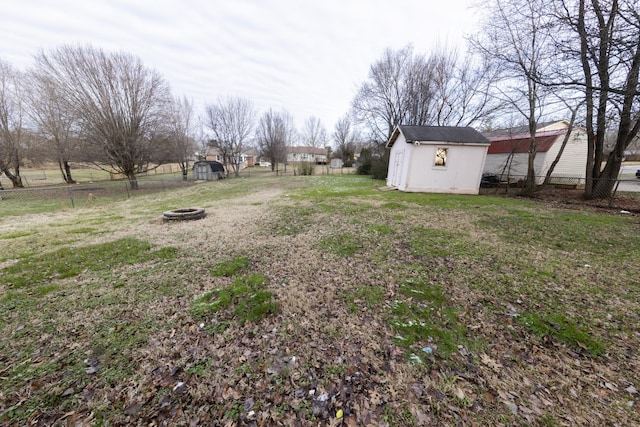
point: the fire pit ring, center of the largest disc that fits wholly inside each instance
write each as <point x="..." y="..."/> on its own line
<point x="184" y="214"/>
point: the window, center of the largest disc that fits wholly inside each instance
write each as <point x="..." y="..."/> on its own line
<point x="441" y="157"/>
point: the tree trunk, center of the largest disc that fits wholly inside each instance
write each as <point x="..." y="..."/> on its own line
<point x="133" y="181"/>
<point x="603" y="186"/>
<point x="65" y="170"/>
<point x="16" y="179"/>
<point x="530" y="183"/>
<point x="184" y="167"/>
<point x="565" y="140"/>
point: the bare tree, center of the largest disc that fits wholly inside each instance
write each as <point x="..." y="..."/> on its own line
<point x="384" y="100"/>
<point x="516" y="38"/>
<point x="313" y="133"/>
<point x="182" y="143"/>
<point x="231" y="121"/>
<point x="55" y="122"/>
<point x="120" y="104"/>
<point x="274" y="134"/>
<point x="11" y="123"/>
<point x="442" y="88"/>
<point x="345" y="137"/>
<point x="603" y="62"/>
<point x="463" y="86"/>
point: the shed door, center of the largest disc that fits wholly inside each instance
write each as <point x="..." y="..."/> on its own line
<point x="397" y="169"/>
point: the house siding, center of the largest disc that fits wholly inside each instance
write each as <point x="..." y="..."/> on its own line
<point x="571" y="164"/>
<point x="574" y="158"/>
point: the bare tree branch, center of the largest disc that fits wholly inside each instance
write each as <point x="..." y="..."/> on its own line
<point x="231" y="121"/>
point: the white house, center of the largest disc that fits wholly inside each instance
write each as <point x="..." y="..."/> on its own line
<point x="436" y="159"/>
<point x="247" y="158"/>
<point x="508" y="152"/>
<point x="307" y="154"/>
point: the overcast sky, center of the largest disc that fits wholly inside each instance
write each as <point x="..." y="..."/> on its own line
<point x="305" y="56"/>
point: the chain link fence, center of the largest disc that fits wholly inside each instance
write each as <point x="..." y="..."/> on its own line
<point x="623" y="193"/>
<point x="87" y="194"/>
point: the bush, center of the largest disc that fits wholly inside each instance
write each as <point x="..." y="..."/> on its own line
<point x="364" y="168"/>
<point x="379" y="168"/>
<point x="305" y="168"/>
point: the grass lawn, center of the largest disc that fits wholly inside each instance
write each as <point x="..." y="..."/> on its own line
<point x="319" y="300"/>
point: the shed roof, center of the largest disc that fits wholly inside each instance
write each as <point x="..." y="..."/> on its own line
<point x="450" y="134"/>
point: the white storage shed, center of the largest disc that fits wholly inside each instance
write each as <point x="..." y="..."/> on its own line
<point x="436" y="159"/>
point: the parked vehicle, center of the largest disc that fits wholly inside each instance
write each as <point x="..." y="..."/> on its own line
<point x="489" y="180"/>
<point x="638" y="174"/>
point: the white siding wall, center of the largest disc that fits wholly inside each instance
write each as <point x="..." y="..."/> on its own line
<point x="460" y="175"/>
<point x="571" y="164"/>
<point x="574" y="157"/>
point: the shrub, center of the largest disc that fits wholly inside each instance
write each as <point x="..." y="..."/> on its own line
<point x="305" y="168"/>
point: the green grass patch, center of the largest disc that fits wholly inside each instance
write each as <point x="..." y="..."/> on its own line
<point x="293" y="220"/>
<point x="46" y="289"/>
<point x="568" y="231"/>
<point x="323" y="188"/>
<point x="434" y="243"/>
<point x="230" y="267"/>
<point x="381" y="229"/>
<point x="82" y="230"/>
<point x="15" y="235"/>
<point x="394" y="206"/>
<point x="562" y="329"/>
<point x="424" y="318"/>
<point x="112" y="342"/>
<point x="71" y="261"/>
<point x="364" y="296"/>
<point x="344" y="244"/>
<point x="245" y="300"/>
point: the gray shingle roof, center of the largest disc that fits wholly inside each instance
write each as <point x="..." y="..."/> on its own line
<point x="450" y="134"/>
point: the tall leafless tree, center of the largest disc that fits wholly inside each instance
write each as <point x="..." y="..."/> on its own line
<point x="383" y="101"/>
<point x="181" y="135"/>
<point x="345" y="137"/>
<point x="439" y="89"/>
<point x="600" y="57"/>
<point x="231" y="121"/>
<point x="516" y="38"/>
<point x="274" y="134"/>
<point x="11" y="122"/>
<point x="55" y="122"/>
<point x="313" y="133"/>
<point x="120" y="104"/>
<point x="464" y="88"/>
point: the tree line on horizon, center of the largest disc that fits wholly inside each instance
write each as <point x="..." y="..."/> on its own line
<point x="531" y="61"/>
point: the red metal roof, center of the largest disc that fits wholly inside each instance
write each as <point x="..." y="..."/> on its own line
<point x="520" y="143"/>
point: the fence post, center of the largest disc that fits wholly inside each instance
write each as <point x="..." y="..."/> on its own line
<point x="73" y="205"/>
<point x="126" y="186"/>
<point x="613" y="193"/>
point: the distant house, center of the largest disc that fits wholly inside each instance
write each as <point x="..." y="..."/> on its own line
<point x="246" y="159"/>
<point x="509" y="151"/>
<point x="307" y="154"/>
<point x="436" y="159"/>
